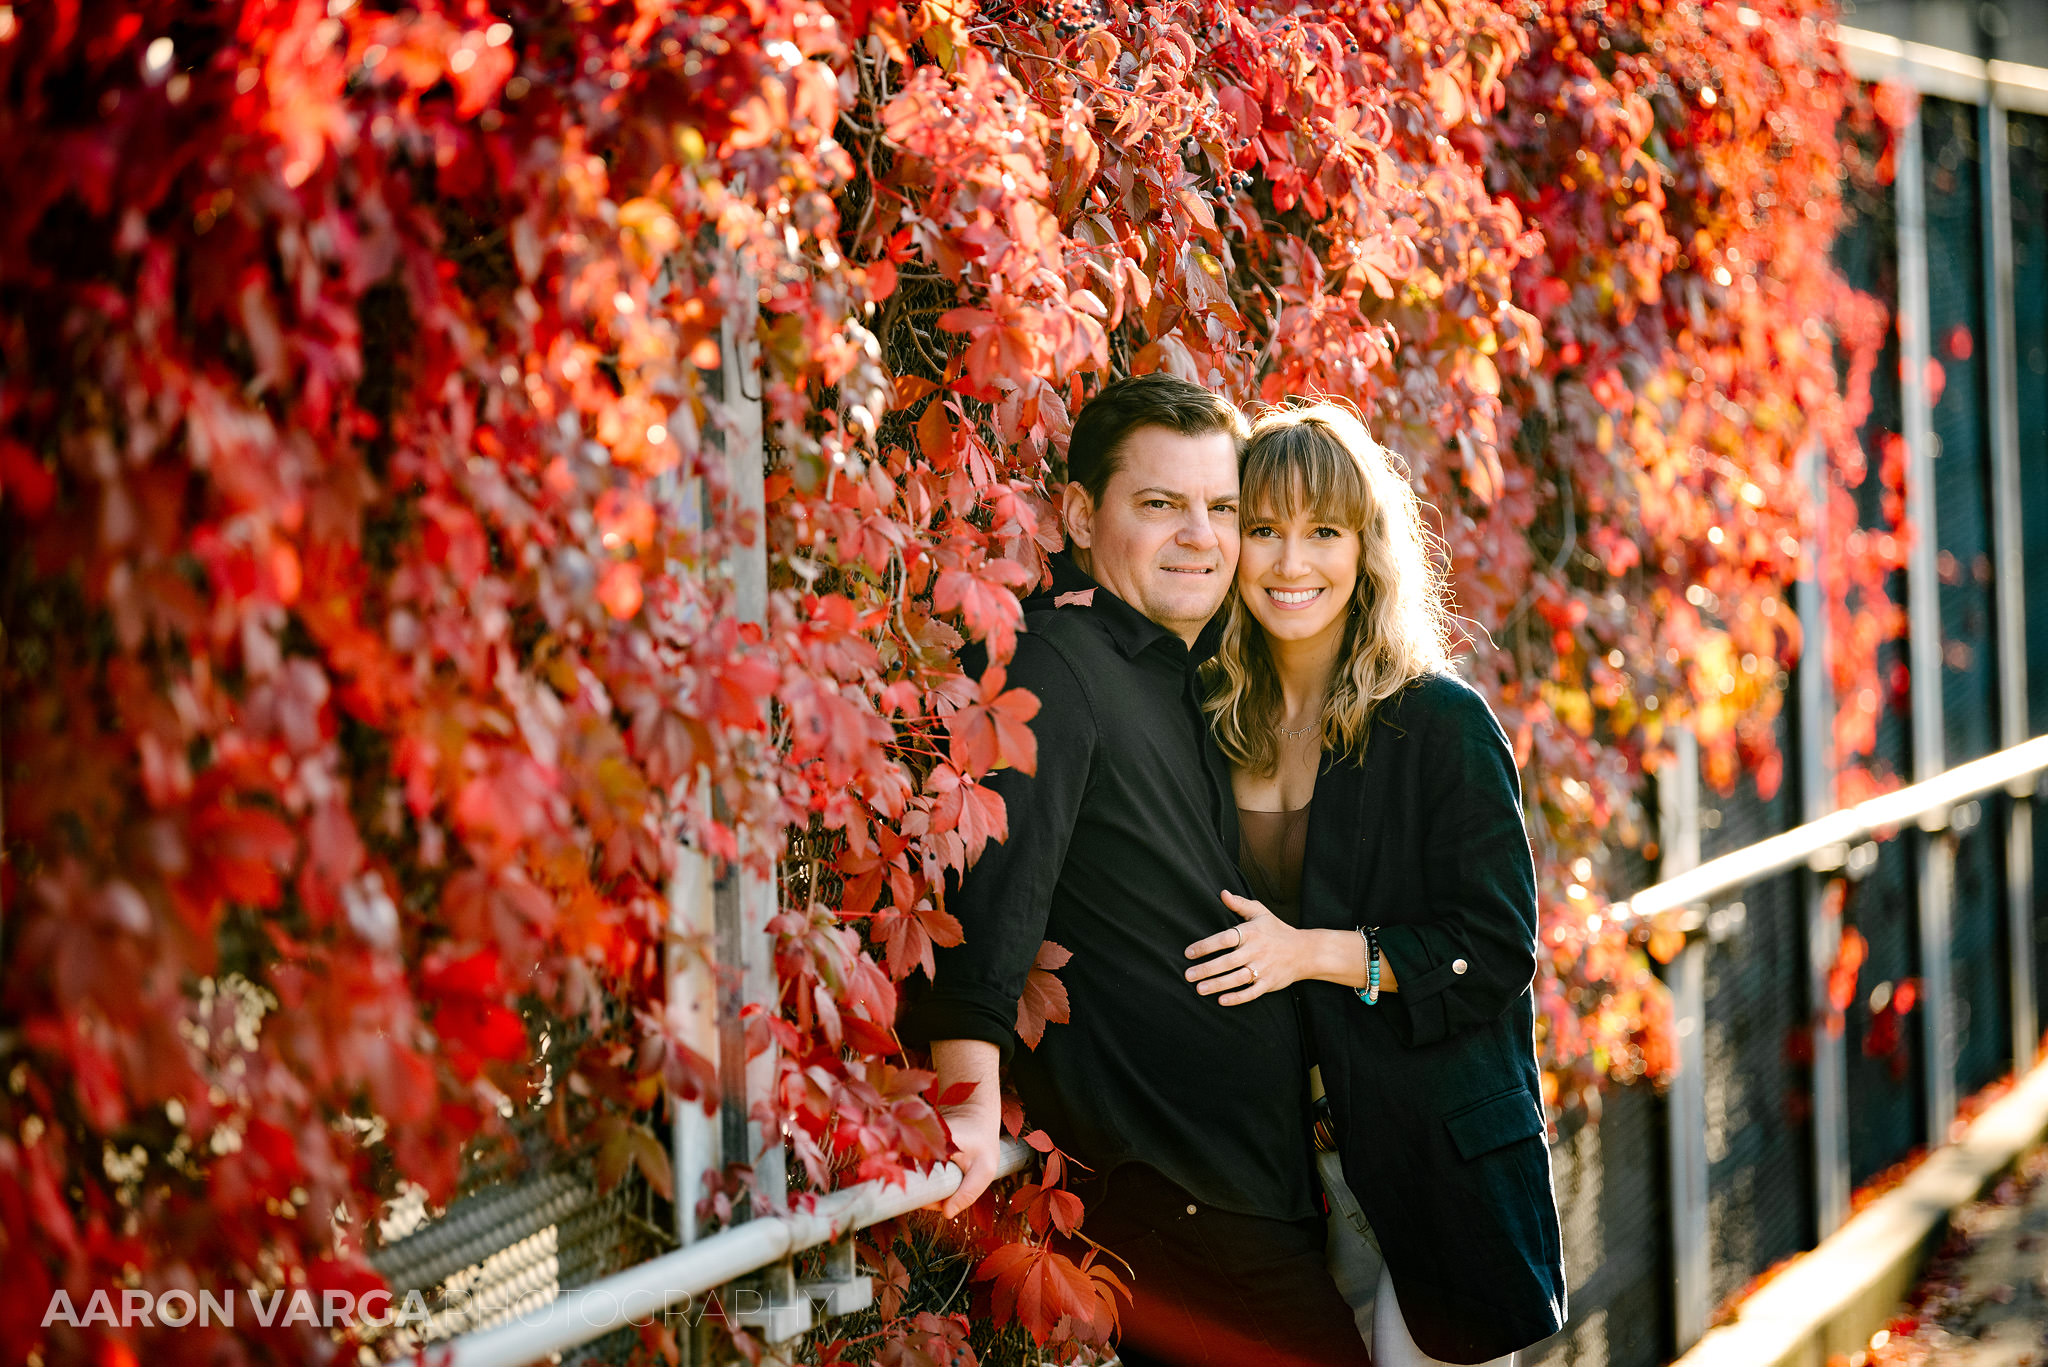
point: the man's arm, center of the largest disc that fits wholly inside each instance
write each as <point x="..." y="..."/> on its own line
<point x="1003" y="903"/>
<point x="976" y="1123"/>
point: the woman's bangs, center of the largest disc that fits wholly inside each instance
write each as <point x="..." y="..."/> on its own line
<point x="1301" y="468"/>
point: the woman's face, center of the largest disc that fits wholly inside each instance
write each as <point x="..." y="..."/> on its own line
<point x="1297" y="575"/>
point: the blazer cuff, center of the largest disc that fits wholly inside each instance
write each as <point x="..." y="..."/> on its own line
<point x="952" y="1015"/>
<point x="1421" y="1017"/>
<point x="1413" y="967"/>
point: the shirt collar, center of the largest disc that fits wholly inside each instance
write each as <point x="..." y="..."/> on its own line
<point x="1131" y="630"/>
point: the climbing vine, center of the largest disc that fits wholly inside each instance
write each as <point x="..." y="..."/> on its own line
<point x="369" y="386"/>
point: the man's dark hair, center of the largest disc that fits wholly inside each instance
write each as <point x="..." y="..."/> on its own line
<point x="1094" y="451"/>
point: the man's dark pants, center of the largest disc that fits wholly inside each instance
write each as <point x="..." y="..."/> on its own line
<point x="1213" y="1288"/>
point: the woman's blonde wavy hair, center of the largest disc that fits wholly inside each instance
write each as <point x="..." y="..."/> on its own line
<point x="1319" y="456"/>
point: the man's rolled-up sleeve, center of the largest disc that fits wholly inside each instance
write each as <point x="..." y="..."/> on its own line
<point x="1004" y="900"/>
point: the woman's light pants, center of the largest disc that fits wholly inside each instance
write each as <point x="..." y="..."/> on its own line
<point x="1361" y="1275"/>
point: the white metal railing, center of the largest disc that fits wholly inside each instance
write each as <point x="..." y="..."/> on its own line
<point x="1944" y="73"/>
<point x="645" y="1292"/>
<point x="1836" y="841"/>
<point x="1825" y="844"/>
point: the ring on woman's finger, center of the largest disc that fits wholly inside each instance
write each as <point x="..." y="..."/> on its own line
<point x="1254" y="971"/>
<point x="1240" y="937"/>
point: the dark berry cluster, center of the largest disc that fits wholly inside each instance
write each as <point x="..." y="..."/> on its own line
<point x="1230" y="182"/>
<point x="1072" y="18"/>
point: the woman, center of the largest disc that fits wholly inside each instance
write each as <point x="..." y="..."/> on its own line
<point x="1381" y="823"/>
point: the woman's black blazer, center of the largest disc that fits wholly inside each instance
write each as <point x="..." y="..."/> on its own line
<point x="1434" y="1092"/>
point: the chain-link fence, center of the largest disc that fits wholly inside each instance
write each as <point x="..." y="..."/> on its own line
<point x="1760" y="1196"/>
<point x="1883" y="1045"/>
<point x="1958" y="384"/>
<point x="529" y="1219"/>
<point x="1614" y="1205"/>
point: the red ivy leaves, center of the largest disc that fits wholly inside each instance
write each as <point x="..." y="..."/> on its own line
<point x="1046" y="1291"/>
<point x="366" y="512"/>
<point x="996" y="731"/>
<point x="928" y="1340"/>
<point x="1047" y="1208"/>
<point x="621" y="1144"/>
<point x="1045" y="997"/>
<point x="474" y="1024"/>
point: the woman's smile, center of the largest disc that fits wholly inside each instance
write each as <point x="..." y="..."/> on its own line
<point x="1294" y="598"/>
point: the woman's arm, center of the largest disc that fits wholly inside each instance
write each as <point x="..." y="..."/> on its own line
<point x="1477" y="951"/>
<point x="1280" y="954"/>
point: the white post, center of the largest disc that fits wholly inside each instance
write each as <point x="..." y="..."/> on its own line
<point x="1678" y="800"/>
<point x="2009" y="549"/>
<point x="1823" y="923"/>
<point x="693" y="1011"/>
<point x="690" y="956"/>
<point x="745" y="901"/>
<point x="1923" y="621"/>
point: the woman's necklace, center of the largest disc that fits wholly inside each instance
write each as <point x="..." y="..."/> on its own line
<point x="1315" y="725"/>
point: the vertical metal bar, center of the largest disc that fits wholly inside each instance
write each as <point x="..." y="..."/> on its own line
<point x="1923" y="620"/>
<point x="1937" y="992"/>
<point x="1923" y="601"/>
<point x="2009" y="551"/>
<point x="745" y="900"/>
<point x="2019" y="931"/>
<point x="1678" y="799"/>
<point x="1816" y="702"/>
<point x="693" y="1013"/>
<point x="690" y="954"/>
<point x="746" y="454"/>
<point x="2006" y="526"/>
<point x="1816" y="695"/>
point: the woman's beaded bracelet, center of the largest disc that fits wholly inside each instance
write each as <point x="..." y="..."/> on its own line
<point x="1370" y="993"/>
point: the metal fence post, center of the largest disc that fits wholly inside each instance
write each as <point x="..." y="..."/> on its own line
<point x="693" y="1003"/>
<point x="689" y="955"/>
<point x="1923" y="621"/>
<point x="2009" y="550"/>
<point x="1678" y="801"/>
<point x="1816" y="714"/>
<point x="744" y="900"/>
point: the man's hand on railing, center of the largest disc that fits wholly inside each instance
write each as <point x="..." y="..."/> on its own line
<point x="977" y="1122"/>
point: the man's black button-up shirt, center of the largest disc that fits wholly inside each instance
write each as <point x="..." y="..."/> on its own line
<point x="1118" y="847"/>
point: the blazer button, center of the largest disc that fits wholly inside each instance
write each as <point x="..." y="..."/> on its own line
<point x="1459" y="966"/>
<point x="1191" y="1210"/>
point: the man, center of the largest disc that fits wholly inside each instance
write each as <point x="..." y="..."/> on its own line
<point x="1192" y="1116"/>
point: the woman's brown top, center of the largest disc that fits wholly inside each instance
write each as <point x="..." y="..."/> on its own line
<point x="1270" y="846"/>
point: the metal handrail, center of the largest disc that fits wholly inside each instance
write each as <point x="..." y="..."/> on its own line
<point x="644" y="1291"/>
<point x="1925" y="804"/>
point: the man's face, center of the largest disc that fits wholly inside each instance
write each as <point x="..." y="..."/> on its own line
<point x="1164" y="538"/>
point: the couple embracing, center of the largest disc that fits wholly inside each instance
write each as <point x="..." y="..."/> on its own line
<point x="1284" y="845"/>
